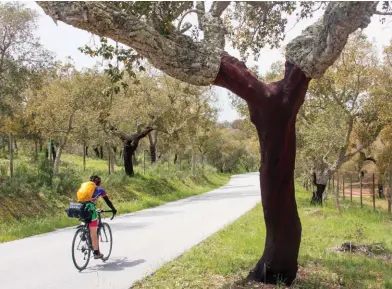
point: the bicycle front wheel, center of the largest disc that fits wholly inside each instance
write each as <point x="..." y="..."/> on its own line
<point x="80" y="249"/>
<point x="105" y="241"/>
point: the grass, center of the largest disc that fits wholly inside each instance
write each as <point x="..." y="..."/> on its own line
<point x="224" y="259"/>
<point x="26" y="213"/>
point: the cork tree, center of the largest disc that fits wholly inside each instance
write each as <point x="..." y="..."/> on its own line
<point x="158" y="32"/>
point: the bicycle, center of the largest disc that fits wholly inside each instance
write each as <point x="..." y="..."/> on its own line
<point x="82" y="235"/>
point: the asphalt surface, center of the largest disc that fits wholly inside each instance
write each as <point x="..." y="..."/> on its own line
<point x="142" y="242"/>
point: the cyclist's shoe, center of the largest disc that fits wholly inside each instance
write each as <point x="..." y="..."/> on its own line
<point x="98" y="255"/>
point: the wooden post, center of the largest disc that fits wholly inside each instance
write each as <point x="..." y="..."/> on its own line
<point x="374" y="194"/>
<point x="179" y="155"/>
<point x="168" y="163"/>
<point x="360" y="189"/>
<point x="351" y="187"/>
<point x="344" y="196"/>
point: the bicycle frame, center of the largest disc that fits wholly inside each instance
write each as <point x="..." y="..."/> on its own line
<point x="86" y="228"/>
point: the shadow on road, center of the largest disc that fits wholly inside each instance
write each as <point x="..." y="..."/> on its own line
<point x="115" y="265"/>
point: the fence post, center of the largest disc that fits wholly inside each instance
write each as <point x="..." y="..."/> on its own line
<point x="344" y="196"/>
<point x="351" y="187"/>
<point x="374" y="195"/>
<point x="360" y="189"/>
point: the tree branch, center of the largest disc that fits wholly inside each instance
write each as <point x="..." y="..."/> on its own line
<point x="169" y="54"/>
<point x="325" y="157"/>
<point x="383" y="13"/>
<point x="320" y="44"/>
<point x="186" y="13"/>
<point x="218" y="7"/>
<point x="357" y="150"/>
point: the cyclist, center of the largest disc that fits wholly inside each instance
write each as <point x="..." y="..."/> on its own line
<point x="98" y="193"/>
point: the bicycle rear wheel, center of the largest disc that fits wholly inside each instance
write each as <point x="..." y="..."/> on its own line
<point x="80" y="249"/>
<point x="105" y="241"/>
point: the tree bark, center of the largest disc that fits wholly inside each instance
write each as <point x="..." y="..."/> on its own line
<point x="15" y="144"/>
<point x="96" y="152"/>
<point x="317" y="198"/>
<point x="129" y="150"/>
<point x="274" y="119"/>
<point x="175" y="158"/>
<point x="131" y="142"/>
<point x="57" y="160"/>
<point x="101" y="152"/>
<point x="153" y="139"/>
<point x="53" y="150"/>
<point x="320" y="179"/>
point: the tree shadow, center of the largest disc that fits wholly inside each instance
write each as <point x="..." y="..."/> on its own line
<point x="118" y="264"/>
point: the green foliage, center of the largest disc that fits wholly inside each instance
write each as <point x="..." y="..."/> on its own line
<point x="229" y="150"/>
<point x="45" y="171"/>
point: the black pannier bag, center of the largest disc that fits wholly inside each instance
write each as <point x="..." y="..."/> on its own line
<point x="79" y="211"/>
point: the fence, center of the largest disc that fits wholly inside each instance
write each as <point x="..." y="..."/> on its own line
<point x="367" y="189"/>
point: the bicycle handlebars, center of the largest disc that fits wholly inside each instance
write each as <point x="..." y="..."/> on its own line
<point x="99" y="211"/>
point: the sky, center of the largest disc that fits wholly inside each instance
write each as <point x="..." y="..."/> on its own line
<point x="64" y="40"/>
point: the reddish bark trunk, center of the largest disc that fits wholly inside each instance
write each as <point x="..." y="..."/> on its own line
<point x="273" y="109"/>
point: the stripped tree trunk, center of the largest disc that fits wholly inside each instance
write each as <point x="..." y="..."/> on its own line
<point x="153" y="139"/>
<point x="57" y="160"/>
<point x="274" y="120"/>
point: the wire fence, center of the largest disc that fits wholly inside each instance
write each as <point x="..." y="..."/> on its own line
<point x="370" y="189"/>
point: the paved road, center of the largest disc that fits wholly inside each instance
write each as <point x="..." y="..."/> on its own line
<point x="143" y="242"/>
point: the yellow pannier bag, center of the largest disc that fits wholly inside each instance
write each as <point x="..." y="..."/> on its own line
<point x="86" y="191"/>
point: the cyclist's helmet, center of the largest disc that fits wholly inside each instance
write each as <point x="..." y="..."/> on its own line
<point x="96" y="180"/>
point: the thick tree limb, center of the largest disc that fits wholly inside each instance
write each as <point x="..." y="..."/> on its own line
<point x="320" y="44"/>
<point x="383" y="13"/>
<point x="218" y="7"/>
<point x="125" y="137"/>
<point x="357" y="150"/>
<point x="195" y="63"/>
